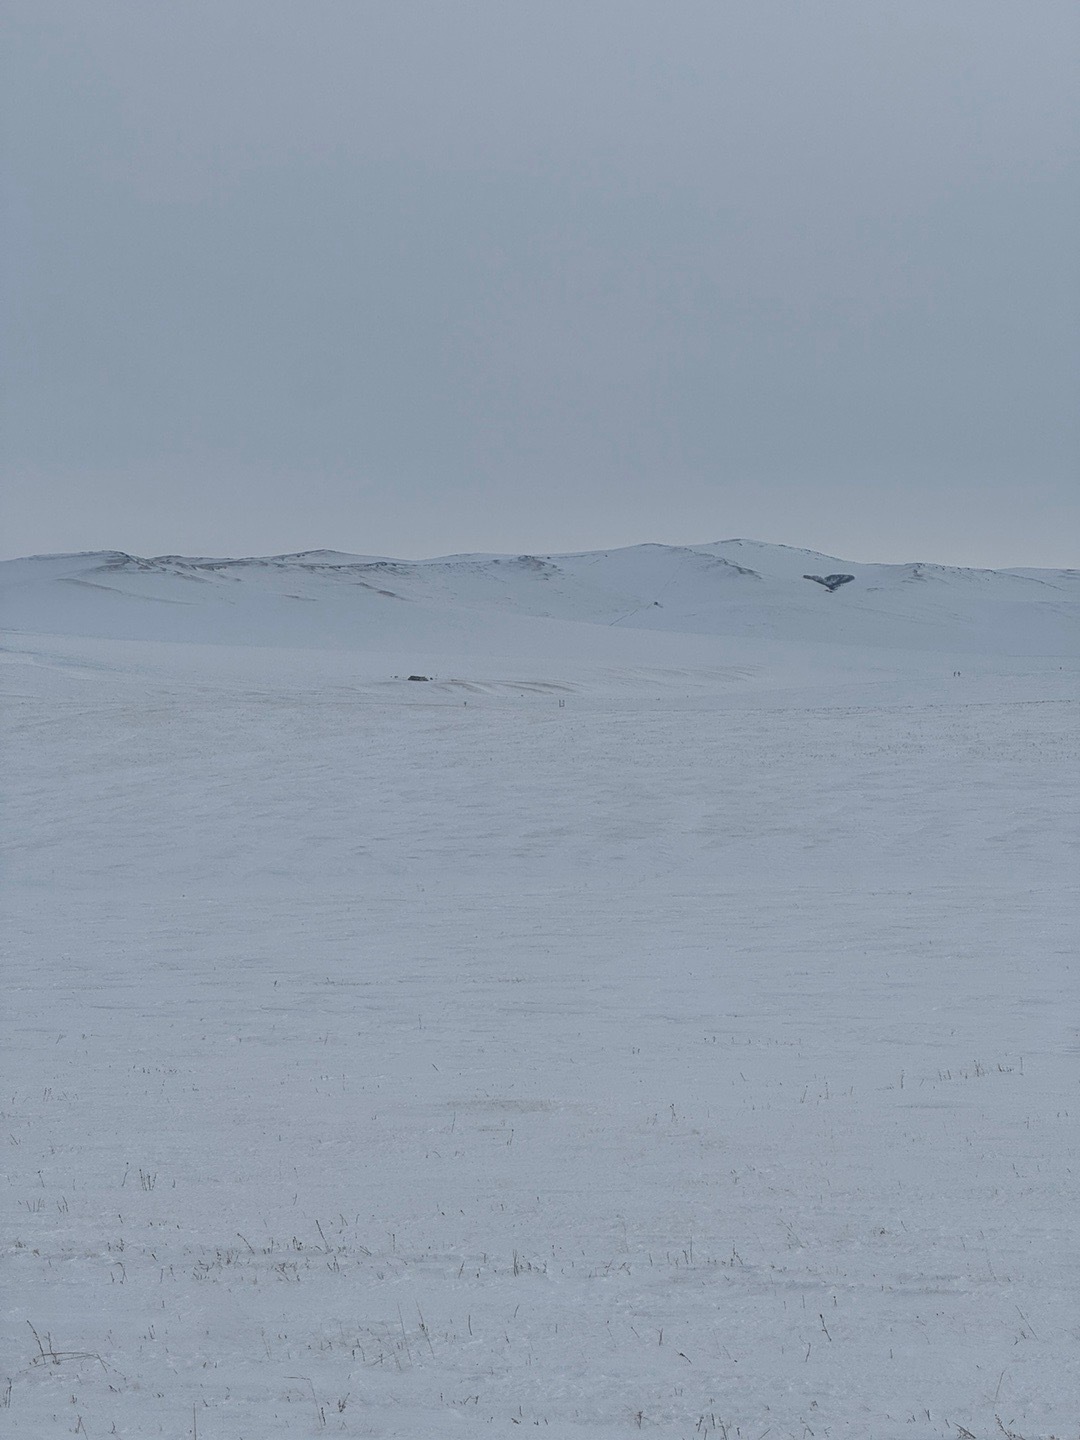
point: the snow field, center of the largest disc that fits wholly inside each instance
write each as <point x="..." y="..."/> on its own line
<point x="600" y="1162"/>
<point x="699" y="1057"/>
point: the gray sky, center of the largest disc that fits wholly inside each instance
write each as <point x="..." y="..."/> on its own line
<point x="410" y="277"/>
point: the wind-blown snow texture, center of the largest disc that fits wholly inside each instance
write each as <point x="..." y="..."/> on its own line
<point x="663" y="1021"/>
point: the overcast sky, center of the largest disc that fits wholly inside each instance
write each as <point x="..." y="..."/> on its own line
<point x="412" y="277"/>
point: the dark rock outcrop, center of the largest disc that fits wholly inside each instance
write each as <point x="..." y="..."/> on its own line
<point x="831" y="582"/>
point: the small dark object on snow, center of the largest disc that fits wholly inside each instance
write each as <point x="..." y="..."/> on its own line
<point x="831" y="582"/>
<point x="419" y="677"/>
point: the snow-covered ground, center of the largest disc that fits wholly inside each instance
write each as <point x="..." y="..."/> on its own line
<point x="663" y="1020"/>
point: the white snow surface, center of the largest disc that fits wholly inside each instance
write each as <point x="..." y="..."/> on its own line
<point x="663" y="1020"/>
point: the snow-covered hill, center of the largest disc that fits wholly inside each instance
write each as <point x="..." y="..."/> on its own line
<point x="735" y="589"/>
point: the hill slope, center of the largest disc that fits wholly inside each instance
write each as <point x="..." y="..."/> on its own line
<point x="737" y="589"/>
